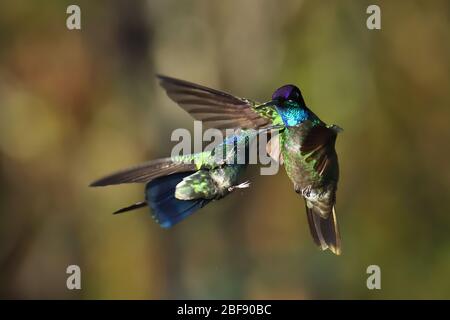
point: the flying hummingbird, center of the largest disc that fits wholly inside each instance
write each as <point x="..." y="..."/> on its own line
<point x="178" y="186"/>
<point x="306" y="145"/>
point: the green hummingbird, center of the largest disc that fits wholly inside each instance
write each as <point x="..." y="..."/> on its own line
<point x="306" y="145"/>
<point x="178" y="186"/>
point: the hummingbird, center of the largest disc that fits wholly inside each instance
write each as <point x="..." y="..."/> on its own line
<point x="176" y="187"/>
<point x="306" y="145"/>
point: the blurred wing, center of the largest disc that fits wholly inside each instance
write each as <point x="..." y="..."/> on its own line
<point x="215" y="108"/>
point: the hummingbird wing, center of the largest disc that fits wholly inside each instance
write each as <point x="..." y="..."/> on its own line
<point x="222" y="154"/>
<point x="318" y="145"/>
<point x="146" y="172"/>
<point x="318" y="149"/>
<point x="217" y="109"/>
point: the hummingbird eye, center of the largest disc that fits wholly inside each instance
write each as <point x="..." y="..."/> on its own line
<point x="294" y="95"/>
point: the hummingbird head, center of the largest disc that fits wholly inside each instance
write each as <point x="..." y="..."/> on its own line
<point x="288" y="92"/>
<point x="289" y="103"/>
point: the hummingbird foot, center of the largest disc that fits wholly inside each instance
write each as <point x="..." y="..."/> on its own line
<point x="242" y="185"/>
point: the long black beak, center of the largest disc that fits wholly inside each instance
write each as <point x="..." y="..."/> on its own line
<point x="270" y="103"/>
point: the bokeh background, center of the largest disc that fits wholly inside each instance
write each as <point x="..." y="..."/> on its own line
<point x="75" y="105"/>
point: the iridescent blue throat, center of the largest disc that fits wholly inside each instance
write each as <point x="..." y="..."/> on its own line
<point x="292" y="114"/>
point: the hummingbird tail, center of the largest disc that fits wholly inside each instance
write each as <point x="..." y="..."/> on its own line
<point x="324" y="231"/>
<point x="166" y="209"/>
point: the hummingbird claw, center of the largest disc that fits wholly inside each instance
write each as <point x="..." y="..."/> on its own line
<point x="242" y="185"/>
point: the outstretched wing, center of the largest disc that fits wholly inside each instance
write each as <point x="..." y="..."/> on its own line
<point x="218" y="109"/>
<point x="146" y="172"/>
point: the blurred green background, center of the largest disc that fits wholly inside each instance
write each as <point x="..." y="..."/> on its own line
<point x="75" y="105"/>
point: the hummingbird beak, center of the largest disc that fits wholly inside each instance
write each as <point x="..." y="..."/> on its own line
<point x="271" y="103"/>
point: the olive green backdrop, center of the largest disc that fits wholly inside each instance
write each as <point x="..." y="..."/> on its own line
<point x="75" y="105"/>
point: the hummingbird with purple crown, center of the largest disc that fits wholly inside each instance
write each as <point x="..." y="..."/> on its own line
<point x="305" y="145"/>
<point x="178" y="186"/>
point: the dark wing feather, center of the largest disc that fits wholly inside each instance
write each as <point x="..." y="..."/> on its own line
<point x="215" y="108"/>
<point x="145" y="172"/>
<point x="319" y="143"/>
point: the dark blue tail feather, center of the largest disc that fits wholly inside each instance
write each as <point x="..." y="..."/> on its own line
<point x="166" y="209"/>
